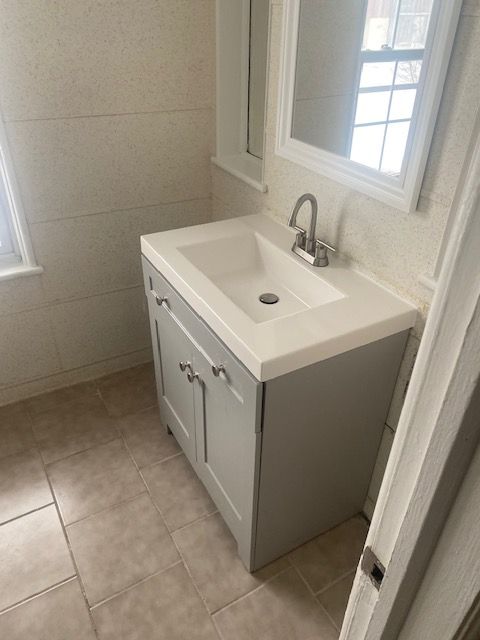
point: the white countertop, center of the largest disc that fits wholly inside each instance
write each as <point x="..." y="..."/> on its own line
<point x="364" y="311"/>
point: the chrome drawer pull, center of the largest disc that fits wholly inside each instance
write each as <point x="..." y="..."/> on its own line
<point x="218" y="369"/>
<point x="159" y="300"/>
<point x="191" y="375"/>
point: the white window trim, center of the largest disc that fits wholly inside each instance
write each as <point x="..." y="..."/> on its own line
<point x="22" y="263"/>
<point x="233" y="59"/>
<point x="401" y="194"/>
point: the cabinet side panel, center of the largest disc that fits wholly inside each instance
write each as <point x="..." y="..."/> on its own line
<point x="321" y="432"/>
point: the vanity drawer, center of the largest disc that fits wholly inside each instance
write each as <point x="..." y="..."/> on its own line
<point x="234" y="375"/>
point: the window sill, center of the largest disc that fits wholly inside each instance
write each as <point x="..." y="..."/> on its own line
<point x="245" y="167"/>
<point x="13" y="268"/>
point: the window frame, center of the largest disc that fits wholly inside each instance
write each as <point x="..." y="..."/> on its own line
<point x="22" y="261"/>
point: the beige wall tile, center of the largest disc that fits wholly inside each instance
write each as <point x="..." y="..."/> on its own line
<point x="113" y="56"/>
<point x="58" y="614"/>
<point x="21" y="294"/>
<point x="100" y="327"/>
<point x="27" y="348"/>
<point x="34" y="556"/>
<point x="90" y="254"/>
<point x="89" y="165"/>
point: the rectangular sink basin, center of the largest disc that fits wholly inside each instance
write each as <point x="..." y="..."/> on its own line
<point x="246" y="266"/>
<point x="222" y="268"/>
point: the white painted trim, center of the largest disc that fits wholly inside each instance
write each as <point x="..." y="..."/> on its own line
<point x="245" y="167"/>
<point x="233" y="60"/>
<point x="18" y="219"/>
<point x="436" y="436"/>
<point x="400" y="193"/>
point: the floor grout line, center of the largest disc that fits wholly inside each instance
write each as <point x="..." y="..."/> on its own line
<point x="72" y="556"/>
<point x="132" y="586"/>
<point x="193" y="522"/>
<point x="110" y="507"/>
<point x="33" y="596"/>
<point x="334" y="582"/>
<point x="27" y="513"/>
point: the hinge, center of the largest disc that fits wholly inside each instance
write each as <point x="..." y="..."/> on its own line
<point x="372" y="566"/>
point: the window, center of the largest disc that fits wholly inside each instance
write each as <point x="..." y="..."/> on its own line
<point x="390" y="66"/>
<point x="16" y="253"/>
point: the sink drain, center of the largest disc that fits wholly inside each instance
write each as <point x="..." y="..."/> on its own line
<point x="268" y="298"/>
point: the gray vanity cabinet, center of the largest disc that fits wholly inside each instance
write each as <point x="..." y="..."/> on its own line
<point x="215" y="418"/>
<point x="283" y="460"/>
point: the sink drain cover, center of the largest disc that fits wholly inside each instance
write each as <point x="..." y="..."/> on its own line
<point x="268" y="298"/>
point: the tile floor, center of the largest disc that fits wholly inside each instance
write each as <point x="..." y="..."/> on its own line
<point x="105" y="532"/>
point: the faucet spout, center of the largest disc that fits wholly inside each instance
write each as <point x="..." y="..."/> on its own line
<point x="292" y="222"/>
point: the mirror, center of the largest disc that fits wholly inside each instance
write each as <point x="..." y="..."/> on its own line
<point x="361" y="85"/>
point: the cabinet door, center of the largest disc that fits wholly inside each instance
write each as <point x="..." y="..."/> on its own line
<point x="227" y="413"/>
<point x="175" y="391"/>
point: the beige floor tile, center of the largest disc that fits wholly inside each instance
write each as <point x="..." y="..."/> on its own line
<point x="23" y="485"/>
<point x="210" y="553"/>
<point x="177" y="491"/>
<point x="72" y="427"/>
<point x="331" y="555"/>
<point x="147" y="438"/>
<point x="282" y="609"/>
<point x="94" y="480"/>
<point x="335" y="599"/>
<point x="119" y="547"/>
<point x="15" y="429"/>
<point x="59" y="614"/>
<point x="34" y="556"/>
<point x="129" y="391"/>
<point x="165" y="607"/>
<point x="53" y="399"/>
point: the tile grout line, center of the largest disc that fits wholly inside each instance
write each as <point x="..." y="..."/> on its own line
<point x="98" y="604"/>
<point x="196" y="521"/>
<point x="182" y="560"/>
<point x="67" y="542"/>
<point x="333" y="583"/>
<point x="111" y="507"/>
<point x="38" y="594"/>
<point x="27" y="513"/>
<point x="310" y="590"/>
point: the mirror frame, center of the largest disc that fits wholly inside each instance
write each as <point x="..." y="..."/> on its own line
<point x="402" y="192"/>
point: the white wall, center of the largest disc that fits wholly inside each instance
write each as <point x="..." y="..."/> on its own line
<point x="392" y="246"/>
<point x="108" y="110"/>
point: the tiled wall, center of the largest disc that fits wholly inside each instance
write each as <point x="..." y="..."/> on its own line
<point x="108" y="110"/>
<point x="393" y="246"/>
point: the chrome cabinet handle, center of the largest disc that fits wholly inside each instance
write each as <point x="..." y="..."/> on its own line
<point x="159" y="299"/>
<point x="191" y="375"/>
<point x="218" y="369"/>
<point x="184" y="365"/>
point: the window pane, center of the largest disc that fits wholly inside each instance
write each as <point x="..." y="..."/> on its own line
<point x="408" y="72"/>
<point x="377" y="74"/>
<point x="372" y="107"/>
<point x="403" y="101"/>
<point x="367" y="145"/>
<point x="394" y="150"/>
<point x="5" y="236"/>
<point x="379" y="24"/>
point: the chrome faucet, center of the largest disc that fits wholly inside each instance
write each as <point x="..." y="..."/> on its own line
<point x="305" y="245"/>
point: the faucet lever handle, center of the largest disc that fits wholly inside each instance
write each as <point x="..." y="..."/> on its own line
<point x="320" y="243"/>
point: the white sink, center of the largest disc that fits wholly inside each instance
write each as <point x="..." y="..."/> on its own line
<point x="221" y="269"/>
<point x="246" y="266"/>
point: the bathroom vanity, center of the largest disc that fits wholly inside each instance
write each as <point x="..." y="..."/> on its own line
<point x="278" y="407"/>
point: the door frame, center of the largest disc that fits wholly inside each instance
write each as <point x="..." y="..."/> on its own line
<point x="436" y="435"/>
